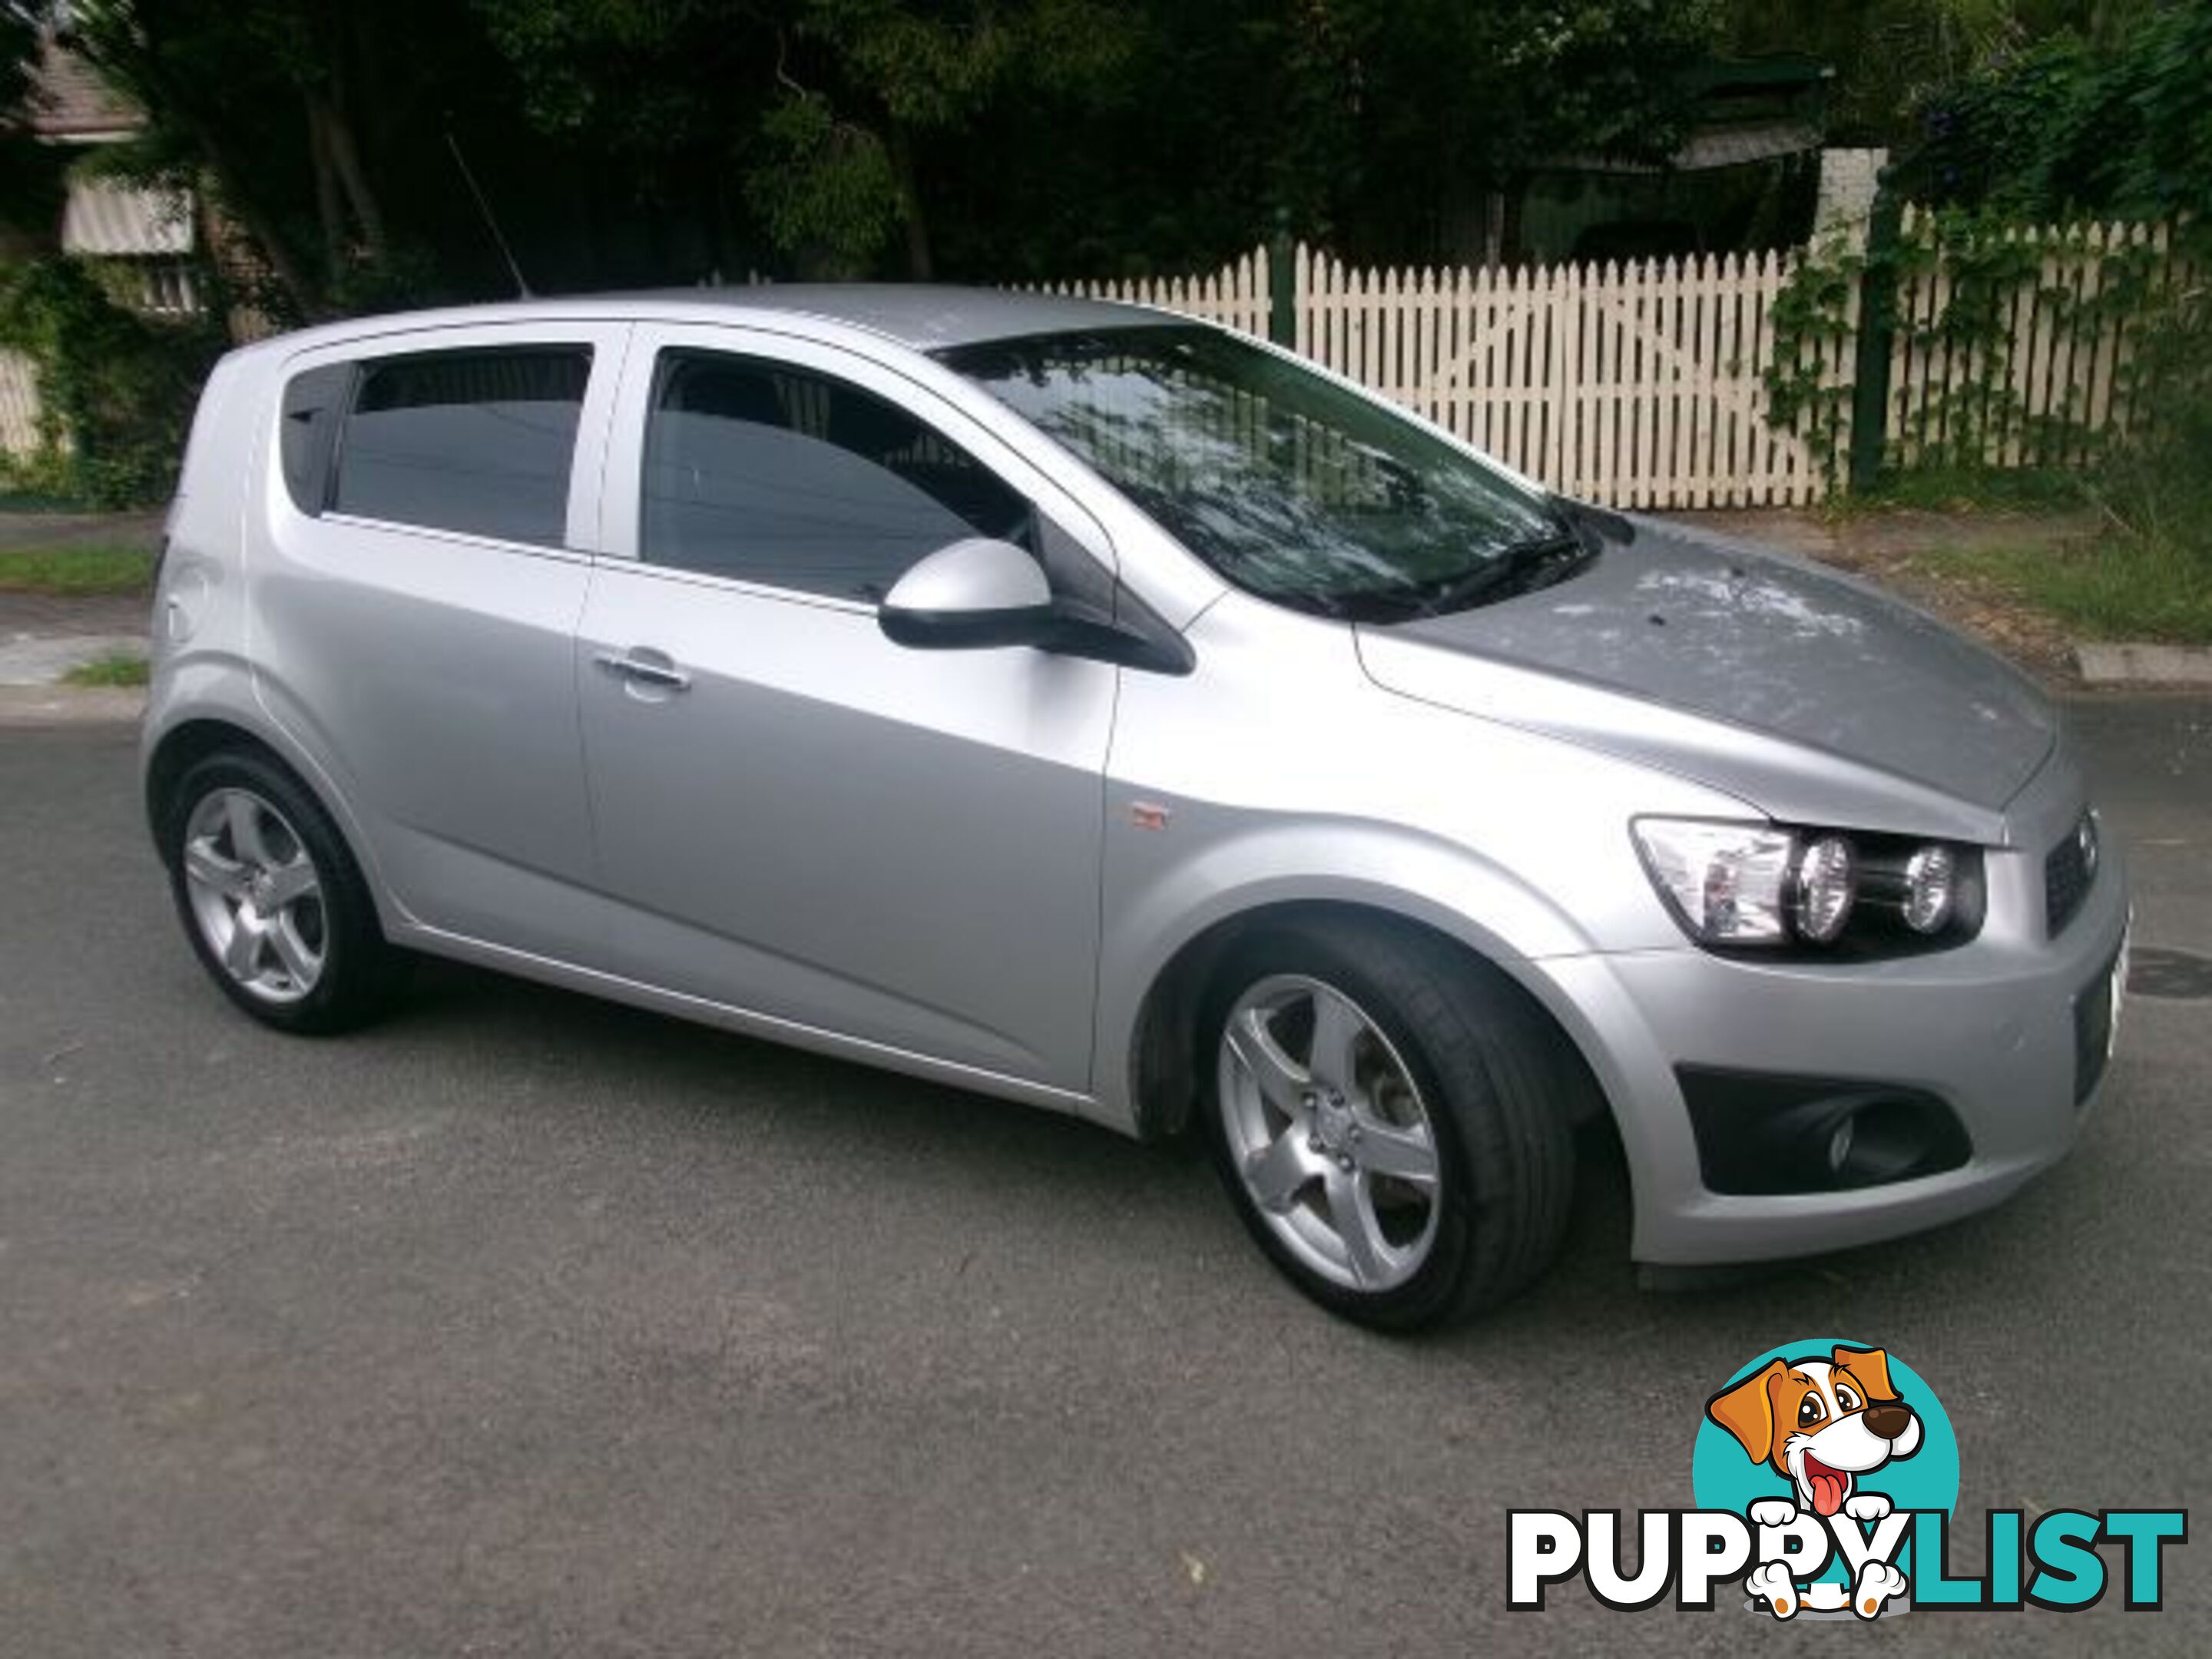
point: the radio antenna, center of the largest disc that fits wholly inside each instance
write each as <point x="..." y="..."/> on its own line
<point x="521" y="288"/>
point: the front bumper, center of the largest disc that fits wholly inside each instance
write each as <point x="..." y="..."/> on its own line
<point x="1995" y="1030"/>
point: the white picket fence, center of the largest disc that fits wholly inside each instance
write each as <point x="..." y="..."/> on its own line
<point x="19" y="405"/>
<point x="2055" y="374"/>
<point x="1643" y="384"/>
<point x="1635" y="385"/>
<point x="1235" y="296"/>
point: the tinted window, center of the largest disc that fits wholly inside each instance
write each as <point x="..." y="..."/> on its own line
<point x="479" y="442"/>
<point x="776" y="475"/>
<point x="314" y="402"/>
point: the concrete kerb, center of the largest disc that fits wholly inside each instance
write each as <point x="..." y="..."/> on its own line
<point x="2144" y="665"/>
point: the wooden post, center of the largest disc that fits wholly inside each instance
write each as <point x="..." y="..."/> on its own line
<point x="1282" y="285"/>
<point x="1877" y="326"/>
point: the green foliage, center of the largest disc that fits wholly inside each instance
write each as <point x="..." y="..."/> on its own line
<point x="1988" y="264"/>
<point x="824" y="187"/>
<point x="1976" y="489"/>
<point x="2158" y="483"/>
<point x="116" y="389"/>
<point x="318" y="130"/>
<point x="1811" y="325"/>
<point x="117" y="669"/>
<point x="30" y="179"/>
<point x="92" y="568"/>
<point x="630" y="143"/>
<point x="2070" y="128"/>
<point x="2120" y="586"/>
<point x="2114" y="127"/>
<point x="1887" y="56"/>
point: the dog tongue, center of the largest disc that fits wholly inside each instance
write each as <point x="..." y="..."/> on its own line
<point x="1828" y="1489"/>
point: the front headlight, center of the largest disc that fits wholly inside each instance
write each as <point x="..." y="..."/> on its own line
<point x="1724" y="882"/>
<point x="1734" y="884"/>
<point x="1931" y="885"/>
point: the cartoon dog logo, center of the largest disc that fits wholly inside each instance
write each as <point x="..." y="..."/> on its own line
<point x="1822" y="1423"/>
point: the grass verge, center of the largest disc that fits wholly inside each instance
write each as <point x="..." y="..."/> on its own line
<point x="116" y="670"/>
<point x="95" y="567"/>
<point x="2111" y="587"/>
<point x="1971" y="490"/>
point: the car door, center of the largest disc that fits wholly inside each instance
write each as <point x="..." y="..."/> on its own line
<point x="799" y="817"/>
<point x="416" y="598"/>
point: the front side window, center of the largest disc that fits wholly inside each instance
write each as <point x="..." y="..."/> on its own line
<point x="774" y="475"/>
<point x="1284" y="483"/>
<point x="479" y="442"/>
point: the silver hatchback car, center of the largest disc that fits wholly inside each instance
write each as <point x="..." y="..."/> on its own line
<point x="1106" y="711"/>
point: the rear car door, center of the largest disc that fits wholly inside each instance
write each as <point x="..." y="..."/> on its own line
<point x="415" y="592"/>
<point x="799" y="817"/>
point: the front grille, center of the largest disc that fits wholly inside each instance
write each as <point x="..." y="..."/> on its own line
<point x="2092" y="1031"/>
<point x="2068" y="870"/>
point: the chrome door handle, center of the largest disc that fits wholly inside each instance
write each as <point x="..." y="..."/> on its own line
<point x="643" y="670"/>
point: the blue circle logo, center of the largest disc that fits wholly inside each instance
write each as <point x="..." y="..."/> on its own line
<point x="1830" y="1426"/>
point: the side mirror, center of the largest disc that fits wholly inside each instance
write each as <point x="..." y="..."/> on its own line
<point x="973" y="594"/>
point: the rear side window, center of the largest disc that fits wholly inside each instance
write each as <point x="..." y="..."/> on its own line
<point x="478" y="442"/>
<point x="314" y="402"/>
<point x="792" y="479"/>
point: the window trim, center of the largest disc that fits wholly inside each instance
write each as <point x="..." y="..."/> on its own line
<point x="460" y="537"/>
<point x="606" y="338"/>
<point x="326" y="462"/>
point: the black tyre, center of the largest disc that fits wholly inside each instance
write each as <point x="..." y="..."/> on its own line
<point x="1390" y="1117"/>
<point x="272" y="899"/>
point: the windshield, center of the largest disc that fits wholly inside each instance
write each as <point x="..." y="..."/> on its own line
<point x="1287" y="484"/>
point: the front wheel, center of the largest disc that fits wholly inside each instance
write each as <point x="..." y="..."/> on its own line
<point x="1387" y="1114"/>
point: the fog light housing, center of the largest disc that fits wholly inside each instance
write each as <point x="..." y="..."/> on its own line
<point x="1823" y="887"/>
<point x="1763" y="1132"/>
<point x="1839" y="1145"/>
<point x="1931" y="889"/>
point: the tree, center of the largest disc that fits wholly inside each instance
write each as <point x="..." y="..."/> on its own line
<point x="2073" y="126"/>
<point x="28" y="183"/>
<point x="1366" y="122"/>
<point x="824" y="108"/>
<point x="915" y="70"/>
<point x="651" y="141"/>
<point x="1892" y="58"/>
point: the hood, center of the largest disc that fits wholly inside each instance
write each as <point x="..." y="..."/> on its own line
<point x="1814" y="697"/>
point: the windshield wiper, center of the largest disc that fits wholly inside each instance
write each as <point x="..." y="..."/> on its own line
<point x="1522" y="567"/>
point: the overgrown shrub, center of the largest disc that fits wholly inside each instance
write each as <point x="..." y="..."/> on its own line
<point x="2158" y="480"/>
<point x="116" y="389"/>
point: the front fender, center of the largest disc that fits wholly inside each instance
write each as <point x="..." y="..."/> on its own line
<point x="1151" y="916"/>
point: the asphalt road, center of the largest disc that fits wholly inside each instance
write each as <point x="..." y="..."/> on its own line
<point x="527" y="1325"/>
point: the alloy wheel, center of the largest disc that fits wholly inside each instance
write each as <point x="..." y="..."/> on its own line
<point x="1329" y="1133"/>
<point x="256" y="895"/>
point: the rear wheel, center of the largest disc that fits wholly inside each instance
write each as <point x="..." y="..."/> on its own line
<point x="1387" y="1116"/>
<point x="272" y="901"/>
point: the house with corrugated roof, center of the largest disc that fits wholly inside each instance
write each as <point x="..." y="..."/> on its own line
<point x="153" y="234"/>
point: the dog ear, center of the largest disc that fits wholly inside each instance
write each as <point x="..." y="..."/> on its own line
<point x="1870" y="1366"/>
<point x="1746" y="1411"/>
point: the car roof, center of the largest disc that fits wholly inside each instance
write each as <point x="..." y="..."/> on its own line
<point x="924" y="317"/>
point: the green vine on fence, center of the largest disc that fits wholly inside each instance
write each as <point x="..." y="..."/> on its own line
<point x="116" y="388"/>
<point x="1961" y="405"/>
<point x="1813" y="321"/>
